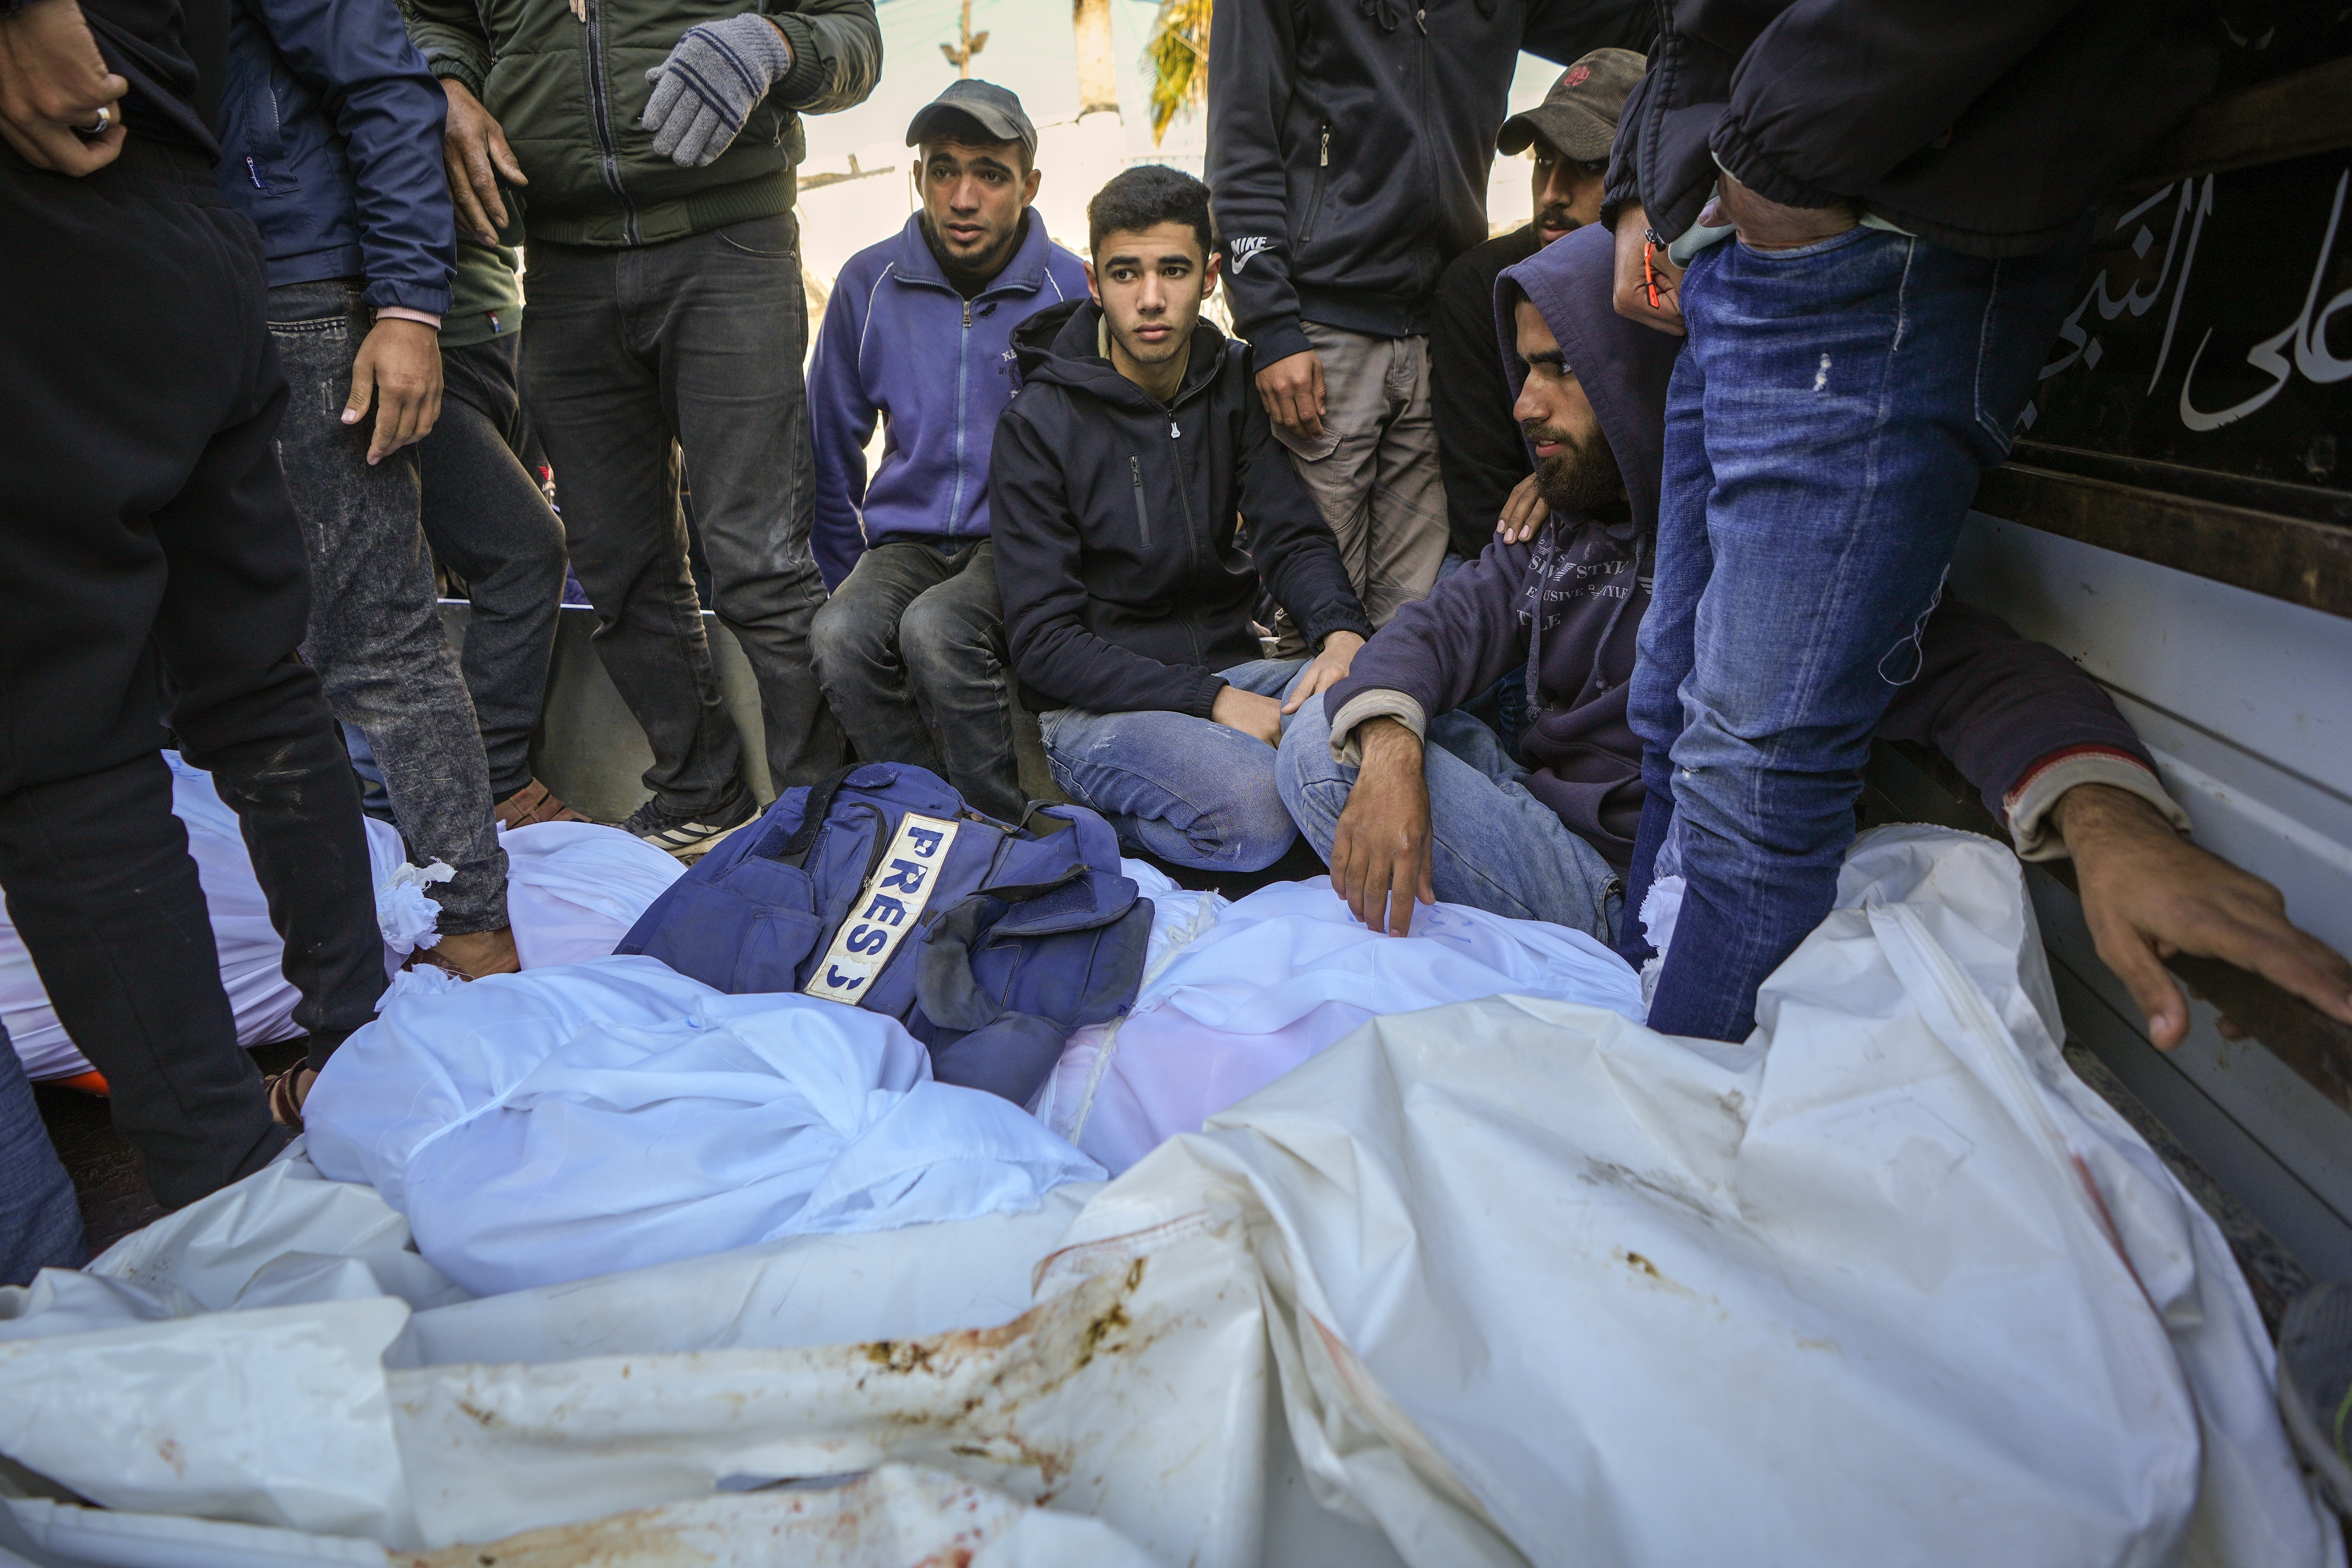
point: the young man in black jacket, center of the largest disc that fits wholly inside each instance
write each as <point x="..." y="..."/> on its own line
<point x="1908" y="183"/>
<point x="1349" y="146"/>
<point x="1120" y="475"/>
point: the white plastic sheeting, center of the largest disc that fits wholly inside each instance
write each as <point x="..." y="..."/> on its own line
<point x="1279" y="976"/>
<point x="249" y="948"/>
<point x="1526" y="1282"/>
<point x="564" y="1122"/>
<point x="573" y="890"/>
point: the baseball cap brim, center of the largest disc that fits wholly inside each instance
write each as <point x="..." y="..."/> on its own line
<point x="998" y="125"/>
<point x="1575" y="129"/>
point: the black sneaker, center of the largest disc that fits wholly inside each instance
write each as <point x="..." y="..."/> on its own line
<point x="689" y="837"/>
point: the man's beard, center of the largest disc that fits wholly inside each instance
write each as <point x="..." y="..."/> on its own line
<point x="982" y="268"/>
<point x="1581" y="479"/>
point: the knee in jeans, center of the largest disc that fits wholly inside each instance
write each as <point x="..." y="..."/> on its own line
<point x="843" y="635"/>
<point x="1267" y="838"/>
<point x="1248" y="831"/>
<point x="939" y="636"/>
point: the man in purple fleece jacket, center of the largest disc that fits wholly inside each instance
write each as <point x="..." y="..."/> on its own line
<point x="911" y="647"/>
<point x="1409" y="798"/>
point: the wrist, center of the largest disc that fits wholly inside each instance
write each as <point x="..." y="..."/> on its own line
<point x="1388" y="743"/>
<point x="2088" y="812"/>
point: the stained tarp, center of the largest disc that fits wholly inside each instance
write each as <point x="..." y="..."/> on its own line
<point x="1504" y="1281"/>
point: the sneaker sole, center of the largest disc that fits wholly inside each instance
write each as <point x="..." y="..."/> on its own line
<point x="688" y="848"/>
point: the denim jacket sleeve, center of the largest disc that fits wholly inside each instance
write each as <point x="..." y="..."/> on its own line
<point x="389" y="110"/>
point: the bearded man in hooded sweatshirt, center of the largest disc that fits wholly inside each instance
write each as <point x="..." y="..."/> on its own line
<point x="1412" y="800"/>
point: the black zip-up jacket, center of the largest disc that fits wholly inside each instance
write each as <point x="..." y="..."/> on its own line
<point x="1117" y="521"/>
<point x="1990" y="127"/>
<point x="1349" y="141"/>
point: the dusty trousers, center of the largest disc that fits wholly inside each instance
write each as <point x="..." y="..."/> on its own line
<point x="151" y="572"/>
<point x="485" y="515"/>
<point x="1373" y="472"/>
<point x="375" y="635"/>
<point x="634" y="359"/>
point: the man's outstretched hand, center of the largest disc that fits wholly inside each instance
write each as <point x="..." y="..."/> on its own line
<point x="1329" y="669"/>
<point x="474" y="152"/>
<point x="53" y="82"/>
<point x="2148" y="893"/>
<point x="1248" y="712"/>
<point x="1380" y="851"/>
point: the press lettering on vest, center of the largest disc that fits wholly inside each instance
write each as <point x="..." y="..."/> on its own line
<point x="867" y="942"/>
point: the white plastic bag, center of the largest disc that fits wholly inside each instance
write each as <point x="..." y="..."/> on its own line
<point x="1280" y="975"/>
<point x="564" y="1123"/>
<point x="574" y="889"/>
<point x="1885" y="1284"/>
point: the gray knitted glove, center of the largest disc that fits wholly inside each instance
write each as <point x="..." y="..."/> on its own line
<point x="710" y="83"/>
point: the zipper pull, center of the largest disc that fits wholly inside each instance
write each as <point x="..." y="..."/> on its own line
<point x="254" y="170"/>
<point x="1422" y="16"/>
<point x="967" y="315"/>
<point x="1324" y="159"/>
<point x="1173" y="433"/>
<point x="1134" y="467"/>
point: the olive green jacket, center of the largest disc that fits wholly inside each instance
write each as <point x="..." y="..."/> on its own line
<point x="569" y="92"/>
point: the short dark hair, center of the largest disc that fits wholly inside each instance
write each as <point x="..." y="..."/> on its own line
<point x="1145" y="197"/>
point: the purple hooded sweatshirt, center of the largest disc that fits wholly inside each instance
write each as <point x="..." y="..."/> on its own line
<point x="1568" y="603"/>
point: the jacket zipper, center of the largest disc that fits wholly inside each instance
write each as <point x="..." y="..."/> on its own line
<point x="607" y="155"/>
<point x="1314" y="200"/>
<point x="1184" y="494"/>
<point x="964" y="368"/>
<point x="1142" y="515"/>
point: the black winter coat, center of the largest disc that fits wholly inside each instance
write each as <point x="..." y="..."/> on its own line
<point x="1350" y="142"/>
<point x="1989" y="127"/>
<point x="1117" y="525"/>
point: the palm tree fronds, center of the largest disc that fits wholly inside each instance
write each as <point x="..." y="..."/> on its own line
<point x="1179" y="56"/>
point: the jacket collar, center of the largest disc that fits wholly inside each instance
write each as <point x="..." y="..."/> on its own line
<point x="1023" y="273"/>
<point x="1063" y="345"/>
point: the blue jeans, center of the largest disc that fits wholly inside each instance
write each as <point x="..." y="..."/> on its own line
<point x="1494" y="847"/>
<point x="1192" y="792"/>
<point x="40" y="1219"/>
<point x="1826" y="430"/>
